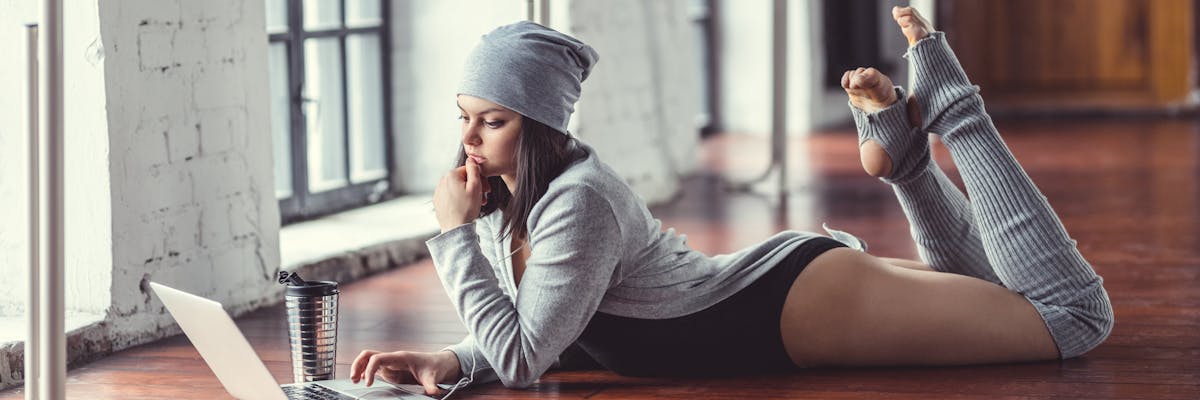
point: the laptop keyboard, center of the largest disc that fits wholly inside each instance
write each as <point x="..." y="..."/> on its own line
<point x="312" y="392"/>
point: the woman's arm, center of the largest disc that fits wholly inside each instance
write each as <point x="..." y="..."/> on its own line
<point x="575" y="240"/>
<point x="472" y="364"/>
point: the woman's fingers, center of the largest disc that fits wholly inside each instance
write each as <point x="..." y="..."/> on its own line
<point x="428" y="380"/>
<point x="459" y="195"/>
<point x="472" y="172"/>
<point x="398" y="367"/>
<point x="360" y="362"/>
<point x="474" y="180"/>
<point x="372" y="366"/>
<point x="369" y="370"/>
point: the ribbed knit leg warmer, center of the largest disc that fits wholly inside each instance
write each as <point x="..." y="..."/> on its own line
<point x="940" y="217"/>
<point x="1023" y="238"/>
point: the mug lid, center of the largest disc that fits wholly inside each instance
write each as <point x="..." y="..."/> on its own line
<point x="312" y="288"/>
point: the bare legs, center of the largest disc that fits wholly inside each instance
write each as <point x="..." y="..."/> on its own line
<point x="849" y="308"/>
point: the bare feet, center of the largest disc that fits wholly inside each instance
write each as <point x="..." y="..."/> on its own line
<point x="914" y="26"/>
<point x="871" y="91"/>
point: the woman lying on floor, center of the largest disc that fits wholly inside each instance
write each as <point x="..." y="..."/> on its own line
<point x="544" y="247"/>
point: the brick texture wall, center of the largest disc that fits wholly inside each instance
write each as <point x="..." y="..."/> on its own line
<point x="639" y="107"/>
<point x="193" y="204"/>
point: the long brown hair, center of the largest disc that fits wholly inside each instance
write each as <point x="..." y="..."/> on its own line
<point x="542" y="155"/>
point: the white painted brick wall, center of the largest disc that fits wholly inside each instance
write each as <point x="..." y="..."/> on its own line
<point x="13" y="162"/>
<point x="192" y="178"/>
<point x="85" y="150"/>
<point x="638" y="107"/>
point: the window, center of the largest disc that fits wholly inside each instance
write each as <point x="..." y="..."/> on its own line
<point x="330" y="92"/>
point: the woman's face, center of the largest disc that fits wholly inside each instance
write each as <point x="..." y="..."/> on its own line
<point x="489" y="135"/>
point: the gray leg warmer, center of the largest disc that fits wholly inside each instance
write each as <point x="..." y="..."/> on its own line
<point x="1023" y="238"/>
<point x="940" y="217"/>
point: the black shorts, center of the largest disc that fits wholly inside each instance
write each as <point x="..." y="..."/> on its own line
<point x="737" y="336"/>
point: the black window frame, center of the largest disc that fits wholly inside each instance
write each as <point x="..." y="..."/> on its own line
<point x="302" y="204"/>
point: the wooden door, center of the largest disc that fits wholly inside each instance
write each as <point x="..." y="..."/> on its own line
<point x="1074" y="54"/>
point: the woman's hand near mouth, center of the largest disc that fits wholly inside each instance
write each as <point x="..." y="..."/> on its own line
<point x="459" y="195"/>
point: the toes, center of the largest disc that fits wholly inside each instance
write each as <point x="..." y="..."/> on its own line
<point x="868" y="88"/>
<point x="866" y="78"/>
<point x="871" y="79"/>
<point x="910" y="20"/>
<point x="901" y="12"/>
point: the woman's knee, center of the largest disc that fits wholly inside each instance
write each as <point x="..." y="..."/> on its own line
<point x="1098" y="320"/>
<point x="1081" y="326"/>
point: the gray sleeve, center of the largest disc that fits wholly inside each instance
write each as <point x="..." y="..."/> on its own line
<point x="471" y="363"/>
<point x="487" y="238"/>
<point x="575" y="242"/>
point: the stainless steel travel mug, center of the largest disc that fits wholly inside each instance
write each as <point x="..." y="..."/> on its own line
<point x="312" y="313"/>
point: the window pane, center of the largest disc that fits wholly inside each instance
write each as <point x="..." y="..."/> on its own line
<point x="281" y="123"/>
<point x="323" y="114"/>
<point x="362" y="13"/>
<point x="276" y="16"/>
<point x="322" y="14"/>
<point x="365" y="80"/>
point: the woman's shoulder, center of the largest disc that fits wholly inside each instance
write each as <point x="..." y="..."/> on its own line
<point x="587" y="181"/>
<point x="592" y="196"/>
<point x="589" y="172"/>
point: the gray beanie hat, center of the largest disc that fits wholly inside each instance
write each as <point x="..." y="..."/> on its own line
<point x="531" y="69"/>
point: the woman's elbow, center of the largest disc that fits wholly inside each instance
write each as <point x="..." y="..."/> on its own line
<point x="519" y="376"/>
<point x="520" y="381"/>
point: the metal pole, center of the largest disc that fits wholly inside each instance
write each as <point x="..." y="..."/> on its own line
<point x="32" y="355"/>
<point x="538" y="11"/>
<point x="543" y="12"/>
<point x="779" y="53"/>
<point x="779" y="91"/>
<point x="53" y="337"/>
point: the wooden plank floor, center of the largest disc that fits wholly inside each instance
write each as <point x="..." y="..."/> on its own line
<point x="1128" y="191"/>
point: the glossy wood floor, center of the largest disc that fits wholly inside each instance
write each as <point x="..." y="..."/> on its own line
<point x="1128" y="191"/>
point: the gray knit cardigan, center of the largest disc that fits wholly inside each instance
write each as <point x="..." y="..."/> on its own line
<point x="594" y="247"/>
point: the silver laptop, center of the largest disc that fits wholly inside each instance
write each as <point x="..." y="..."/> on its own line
<point x="240" y="370"/>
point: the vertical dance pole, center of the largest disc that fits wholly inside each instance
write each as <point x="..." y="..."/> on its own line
<point x="53" y="374"/>
<point x="538" y="11"/>
<point x="779" y="162"/>
<point x="543" y="10"/>
<point x="32" y="310"/>
<point x="779" y="30"/>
